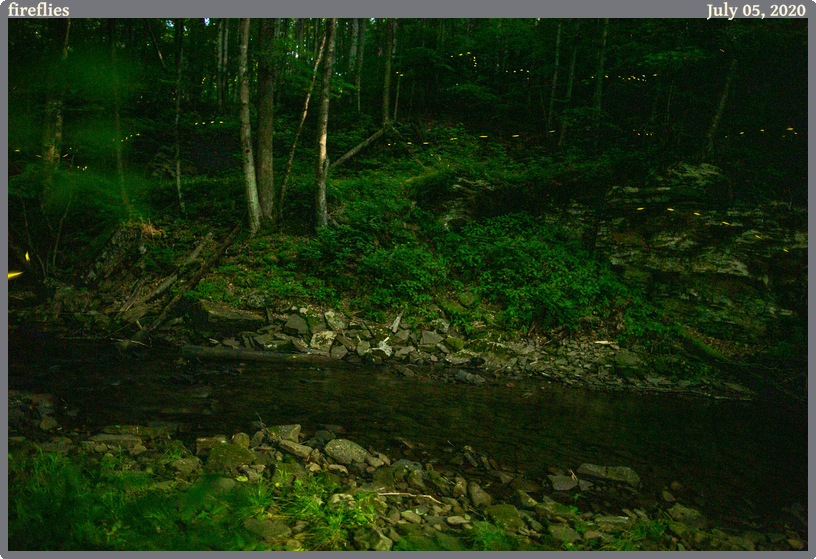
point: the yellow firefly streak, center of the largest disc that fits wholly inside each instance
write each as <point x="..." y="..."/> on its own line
<point x="14" y="274"/>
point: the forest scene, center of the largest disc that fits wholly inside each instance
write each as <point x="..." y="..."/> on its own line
<point x="409" y="284"/>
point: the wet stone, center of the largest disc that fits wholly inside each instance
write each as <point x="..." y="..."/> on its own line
<point x="564" y="533"/>
<point x="563" y="483"/>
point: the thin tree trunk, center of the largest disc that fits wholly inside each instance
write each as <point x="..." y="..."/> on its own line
<point x="120" y="170"/>
<point x="599" y="84"/>
<point x="355" y="31"/>
<point x="155" y="44"/>
<point x="551" y="110"/>
<point x="266" y="91"/>
<point x="570" y="80"/>
<point x="291" y="158"/>
<point x="386" y="106"/>
<point x="52" y="138"/>
<point x="359" y="69"/>
<point x="179" y="28"/>
<point x="219" y="68"/>
<point x="253" y="206"/>
<point x="715" y="122"/>
<point x="321" y="206"/>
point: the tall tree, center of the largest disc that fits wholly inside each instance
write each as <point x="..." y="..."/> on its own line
<point x="389" y="51"/>
<point x="178" y="26"/>
<point x="359" y="66"/>
<point x="322" y="171"/>
<point x="117" y="142"/>
<point x="222" y="58"/>
<point x="715" y="121"/>
<point x="570" y="81"/>
<point x="266" y="92"/>
<point x="291" y="157"/>
<point x="52" y="137"/>
<point x="253" y="205"/>
<point x="599" y="75"/>
<point x="551" y="110"/>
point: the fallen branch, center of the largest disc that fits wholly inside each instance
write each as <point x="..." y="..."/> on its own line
<point x="356" y="149"/>
<point x="241" y="354"/>
<point x="408" y="495"/>
<point x="145" y="332"/>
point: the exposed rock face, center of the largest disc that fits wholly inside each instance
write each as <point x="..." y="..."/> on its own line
<point x="717" y="265"/>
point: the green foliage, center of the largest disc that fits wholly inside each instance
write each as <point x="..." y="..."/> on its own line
<point x="532" y="271"/>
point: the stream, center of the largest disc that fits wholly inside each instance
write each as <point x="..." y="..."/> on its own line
<point x="742" y="460"/>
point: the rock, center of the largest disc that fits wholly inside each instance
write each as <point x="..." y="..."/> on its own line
<point x="240" y="439"/>
<point x="287" y="432"/>
<point x="411" y="516"/>
<point x="668" y="497"/>
<point x="429" y="340"/>
<point x="299" y="450"/>
<point x="345" y="451"/>
<point x="459" y="488"/>
<point x="525" y="500"/>
<point x="564" y="533"/>
<point x="440" y="324"/>
<point x="688" y="516"/>
<point x="624" y="474"/>
<point x="505" y="516"/>
<point x="48" y="423"/>
<point x="225" y="318"/>
<point x="609" y="523"/>
<point x="384" y="477"/>
<point x="338" y="352"/>
<point x="334" y="321"/>
<point x="346" y="342"/>
<point x="551" y="509"/>
<point x="363" y="347"/>
<point x="296" y="325"/>
<point x="456" y="344"/>
<point x="226" y="458"/>
<point x="563" y="483"/>
<point x="268" y="529"/>
<point x="287" y="472"/>
<point x="455" y="520"/>
<point x="114" y="441"/>
<point x="592" y="470"/>
<point x="478" y="496"/>
<point x="415" y="479"/>
<point x="186" y="466"/>
<point x="448" y="542"/>
<point x="323" y="340"/>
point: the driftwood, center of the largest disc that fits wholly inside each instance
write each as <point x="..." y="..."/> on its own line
<point x="144" y="333"/>
<point x="242" y="354"/>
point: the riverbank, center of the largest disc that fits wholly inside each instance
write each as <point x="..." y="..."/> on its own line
<point x="279" y="487"/>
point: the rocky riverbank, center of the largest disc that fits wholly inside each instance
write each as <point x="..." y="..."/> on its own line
<point x="473" y="358"/>
<point x="460" y="500"/>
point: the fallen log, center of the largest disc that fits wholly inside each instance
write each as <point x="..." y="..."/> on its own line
<point x="242" y="354"/>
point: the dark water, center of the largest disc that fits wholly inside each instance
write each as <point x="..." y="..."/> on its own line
<point x="740" y="457"/>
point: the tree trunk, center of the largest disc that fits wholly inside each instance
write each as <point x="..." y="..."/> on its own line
<point x="359" y="69"/>
<point x="117" y="141"/>
<point x="715" y="122"/>
<point x="266" y="86"/>
<point x="386" y="119"/>
<point x="321" y="207"/>
<point x="570" y="80"/>
<point x="291" y="158"/>
<point x="355" y="31"/>
<point x="599" y="84"/>
<point x="156" y="44"/>
<point x="52" y="137"/>
<point x="253" y="206"/>
<point x="179" y="28"/>
<point x="551" y="110"/>
<point x="219" y="64"/>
